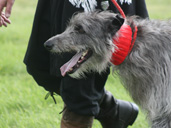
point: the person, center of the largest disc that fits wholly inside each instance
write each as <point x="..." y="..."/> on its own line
<point x="86" y="98"/>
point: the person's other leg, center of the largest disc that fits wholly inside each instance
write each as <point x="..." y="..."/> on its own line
<point x="82" y="99"/>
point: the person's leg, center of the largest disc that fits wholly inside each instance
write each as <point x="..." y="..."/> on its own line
<point x="73" y="120"/>
<point x="82" y="99"/>
<point x="113" y="113"/>
<point x="49" y="20"/>
<point x="80" y="96"/>
<point x="116" y="113"/>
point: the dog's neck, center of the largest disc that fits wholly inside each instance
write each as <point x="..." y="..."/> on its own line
<point x="124" y="42"/>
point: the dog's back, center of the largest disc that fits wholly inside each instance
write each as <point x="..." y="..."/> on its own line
<point x="146" y="72"/>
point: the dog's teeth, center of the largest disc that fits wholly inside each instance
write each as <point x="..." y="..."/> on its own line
<point x="85" y="53"/>
<point x="82" y="58"/>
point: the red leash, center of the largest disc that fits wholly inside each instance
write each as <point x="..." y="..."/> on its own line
<point x="119" y="8"/>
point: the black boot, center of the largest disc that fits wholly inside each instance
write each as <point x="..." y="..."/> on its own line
<point x="116" y="113"/>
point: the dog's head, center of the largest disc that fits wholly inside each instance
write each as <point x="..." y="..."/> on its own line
<point x="90" y="36"/>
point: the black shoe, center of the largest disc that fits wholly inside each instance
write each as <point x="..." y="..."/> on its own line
<point x="116" y="113"/>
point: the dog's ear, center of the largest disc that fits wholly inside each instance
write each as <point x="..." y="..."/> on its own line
<point x="118" y="21"/>
<point x="115" y="24"/>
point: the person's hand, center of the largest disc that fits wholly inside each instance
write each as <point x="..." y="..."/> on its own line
<point x="7" y="4"/>
<point x="4" y="20"/>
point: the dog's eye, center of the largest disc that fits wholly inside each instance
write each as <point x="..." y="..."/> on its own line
<point x="79" y="29"/>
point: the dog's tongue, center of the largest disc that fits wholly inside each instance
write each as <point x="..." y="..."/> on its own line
<point x="71" y="63"/>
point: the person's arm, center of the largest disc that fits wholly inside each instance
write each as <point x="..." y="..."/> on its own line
<point x="7" y="4"/>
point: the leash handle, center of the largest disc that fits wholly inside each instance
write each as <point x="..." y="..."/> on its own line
<point x="119" y="8"/>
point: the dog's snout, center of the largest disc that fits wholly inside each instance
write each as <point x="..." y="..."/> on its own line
<point x="48" y="45"/>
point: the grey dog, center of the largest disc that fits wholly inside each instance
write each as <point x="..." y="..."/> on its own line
<point x="146" y="71"/>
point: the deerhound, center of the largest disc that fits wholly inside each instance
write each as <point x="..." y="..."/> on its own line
<point x="145" y="72"/>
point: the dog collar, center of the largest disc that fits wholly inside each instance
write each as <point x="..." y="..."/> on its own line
<point x="124" y="43"/>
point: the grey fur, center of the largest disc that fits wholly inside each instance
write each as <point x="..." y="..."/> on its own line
<point x="145" y="73"/>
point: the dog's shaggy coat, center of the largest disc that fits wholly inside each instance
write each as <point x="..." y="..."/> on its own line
<point x="145" y="73"/>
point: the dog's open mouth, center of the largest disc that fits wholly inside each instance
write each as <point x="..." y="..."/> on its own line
<point x="75" y="62"/>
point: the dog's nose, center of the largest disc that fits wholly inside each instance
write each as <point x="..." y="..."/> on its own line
<point x="48" y="45"/>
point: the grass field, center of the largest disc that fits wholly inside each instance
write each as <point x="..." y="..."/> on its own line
<point x="22" y="103"/>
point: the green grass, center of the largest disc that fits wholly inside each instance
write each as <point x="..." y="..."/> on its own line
<point x="22" y="103"/>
